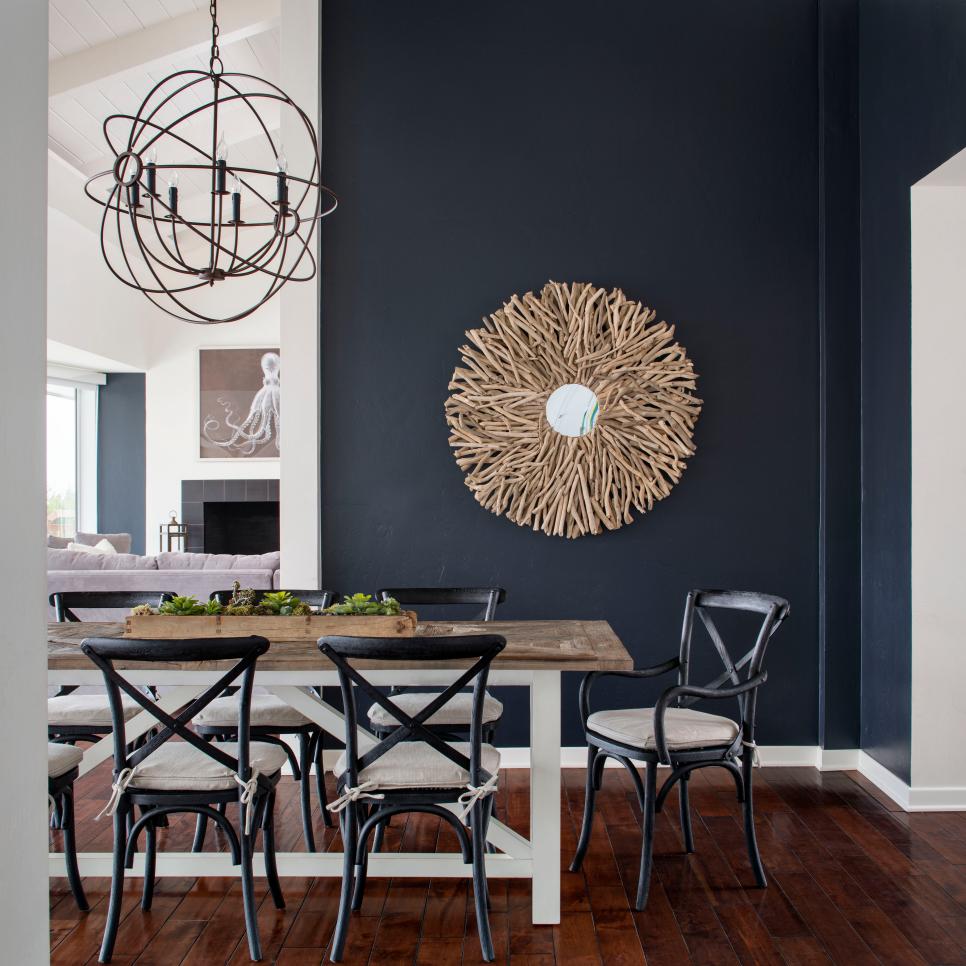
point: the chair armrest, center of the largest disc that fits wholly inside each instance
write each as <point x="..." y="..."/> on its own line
<point x="589" y="679"/>
<point x="690" y="690"/>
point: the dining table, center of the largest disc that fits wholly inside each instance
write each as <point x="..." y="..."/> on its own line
<point x="537" y="654"/>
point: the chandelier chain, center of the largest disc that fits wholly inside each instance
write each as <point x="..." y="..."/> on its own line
<point x="215" y="31"/>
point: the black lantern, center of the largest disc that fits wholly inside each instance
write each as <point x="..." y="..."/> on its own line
<point x="172" y="533"/>
<point x="174" y="246"/>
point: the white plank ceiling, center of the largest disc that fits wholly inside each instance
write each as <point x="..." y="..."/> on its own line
<point x="76" y="115"/>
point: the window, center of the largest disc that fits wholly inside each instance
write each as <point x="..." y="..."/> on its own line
<point x="71" y="457"/>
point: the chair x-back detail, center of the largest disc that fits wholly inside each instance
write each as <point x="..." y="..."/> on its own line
<point x="191" y="775"/>
<point x="270" y="718"/>
<point x="672" y="734"/>
<point x="413" y="768"/>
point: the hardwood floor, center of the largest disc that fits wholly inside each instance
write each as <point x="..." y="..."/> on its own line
<point x="852" y="881"/>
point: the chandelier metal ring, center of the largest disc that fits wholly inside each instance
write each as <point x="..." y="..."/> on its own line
<point x="172" y="246"/>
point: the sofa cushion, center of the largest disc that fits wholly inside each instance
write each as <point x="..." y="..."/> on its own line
<point x="218" y="561"/>
<point x="683" y="727"/>
<point x="84" y="560"/>
<point x="415" y="764"/>
<point x="178" y="765"/>
<point x="57" y="543"/>
<point x="120" y="541"/>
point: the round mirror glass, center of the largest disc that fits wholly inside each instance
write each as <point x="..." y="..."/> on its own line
<point x="573" y="410"/>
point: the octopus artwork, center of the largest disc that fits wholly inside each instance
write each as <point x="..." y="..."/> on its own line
<point x="260" y="428"/>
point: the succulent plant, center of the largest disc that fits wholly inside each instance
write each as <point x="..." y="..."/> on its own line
<point x="301" y="609"/>
<point x="213" y="607"/>
<point x="279" y="602"/>
<point x="364" y="605"/>
<point x="181" y="607"/>
<point x="143" y="610"/>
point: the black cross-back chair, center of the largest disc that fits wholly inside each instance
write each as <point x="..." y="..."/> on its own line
<point x="272" y="718"/>
<point x="164" y="776"/>
<point x="670" y="734"/>
<point x="458" y="714"/>
<point x="63" y="763"/>
<point x="413" y="769"/>
<point x="87" y="717"/>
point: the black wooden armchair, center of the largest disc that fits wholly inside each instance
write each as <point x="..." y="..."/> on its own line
<point x="672" y="734"/>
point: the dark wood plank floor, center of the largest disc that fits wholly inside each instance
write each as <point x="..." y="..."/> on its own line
<point x="853" y="881"/>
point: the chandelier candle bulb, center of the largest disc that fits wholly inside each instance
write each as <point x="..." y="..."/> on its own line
<point x="235" y="200"/>
<point x="221" y="165"/>
<point x="173" y="194"/>
<point x="134" y="195"/>
<point x="151" y="171"/>
<point x="281" y="191"/>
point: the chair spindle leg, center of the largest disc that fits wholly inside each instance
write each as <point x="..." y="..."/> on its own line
<point x="647" y="845"/>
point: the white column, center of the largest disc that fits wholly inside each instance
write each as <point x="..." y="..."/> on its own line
<point x="938" y="487"/>
<point x="545" y="795"/>
<point x="23" y="671"/>
<point x="300" y="523"/>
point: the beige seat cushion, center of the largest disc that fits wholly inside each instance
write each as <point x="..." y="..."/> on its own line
<point x="87" y="710"/>
<point x="61" y="759"/>
<point x="177" y="765"/>
<point x="684" y="728"/>
<point x="267" y="710"/>
<point x="415" y="764"/>
<point x="457" y="711"/>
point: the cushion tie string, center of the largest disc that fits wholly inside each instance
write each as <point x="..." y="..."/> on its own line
<point x="123" y="779"/>
<point x="474" y="794"/>
<point x="755" y="760"/>
<point x="249" y="790"/>
<point x="353" y="794"/>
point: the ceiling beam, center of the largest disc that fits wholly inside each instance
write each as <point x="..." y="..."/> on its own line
<point x="189" y="33"/>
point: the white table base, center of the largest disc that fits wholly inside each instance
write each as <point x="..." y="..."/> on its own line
<point x="537" y="858"/>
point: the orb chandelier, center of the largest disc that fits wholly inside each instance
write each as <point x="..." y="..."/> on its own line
<point x="206" y="235"/>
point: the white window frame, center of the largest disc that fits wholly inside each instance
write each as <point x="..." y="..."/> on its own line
<point x="85" y="385"/>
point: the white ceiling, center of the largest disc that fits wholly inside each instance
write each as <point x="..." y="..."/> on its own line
<point x="106" y="55"/>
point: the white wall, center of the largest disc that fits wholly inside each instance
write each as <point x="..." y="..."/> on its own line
<point x="300" y="509"/>
<point x="171" y="410"/>
<point x="939" y="484"/>
<point x="23" y="672"/>
<point x="89" y="312"/>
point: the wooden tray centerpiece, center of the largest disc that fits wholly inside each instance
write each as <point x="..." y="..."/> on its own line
<point x="276" y="616"/>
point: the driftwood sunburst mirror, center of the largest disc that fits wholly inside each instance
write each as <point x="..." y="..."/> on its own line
<point x="570" y="408"/>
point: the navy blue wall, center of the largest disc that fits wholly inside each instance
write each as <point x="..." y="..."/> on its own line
<point x="913" y="107"/>
<point x="120" y="457"/>
<point x="670" y="149"/>
<point x="838" y="373"/>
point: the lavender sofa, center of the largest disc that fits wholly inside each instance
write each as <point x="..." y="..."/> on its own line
<point x="196" y="574"/>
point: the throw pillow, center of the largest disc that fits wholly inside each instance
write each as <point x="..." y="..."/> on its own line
<point x="101" y="547"/>
<point x="120" y="541"/>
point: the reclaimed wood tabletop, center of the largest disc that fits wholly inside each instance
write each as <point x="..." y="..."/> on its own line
<point x="553" y="645"/>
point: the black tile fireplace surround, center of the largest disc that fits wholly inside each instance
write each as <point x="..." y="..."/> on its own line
<point x="230" y="516"/>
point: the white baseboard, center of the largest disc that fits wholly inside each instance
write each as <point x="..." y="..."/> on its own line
<point x="785" y="756"/>
<point x="912" y="798"/>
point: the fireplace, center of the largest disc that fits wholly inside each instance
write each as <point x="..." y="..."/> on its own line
<point x="230" y="516"/>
